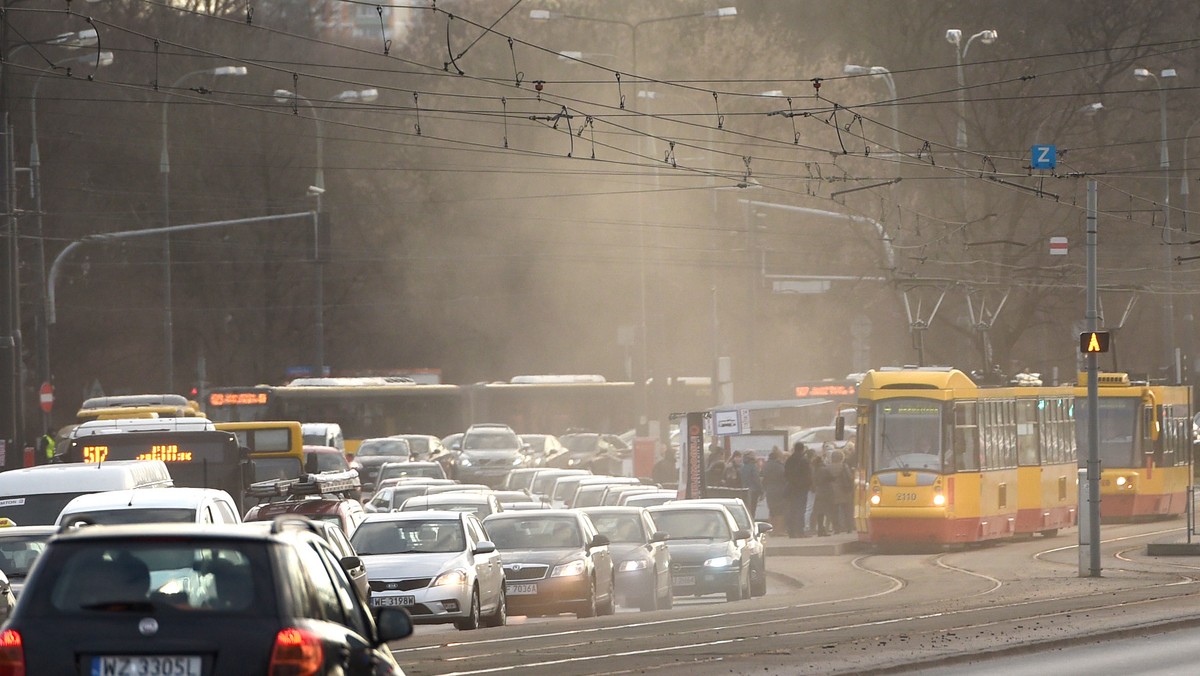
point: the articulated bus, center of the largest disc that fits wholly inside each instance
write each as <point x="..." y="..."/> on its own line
<point x="276" y="447"/>
<point x="198" y="459"/>
<point x="1145" y="446"/>
<point x="943" y="461"/>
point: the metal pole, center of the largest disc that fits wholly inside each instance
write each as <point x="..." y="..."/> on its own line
<point x="1093" y="393"/>
<point x="1169" y="302"/>
<point x="164" y="168"/>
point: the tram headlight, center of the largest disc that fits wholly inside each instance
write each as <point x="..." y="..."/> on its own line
<point x="875" y="499"/>
<point x="1121" y="481"/>
<point x="939" y="500"/>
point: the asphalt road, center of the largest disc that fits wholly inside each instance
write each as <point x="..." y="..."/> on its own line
<point x="856" y="613"/>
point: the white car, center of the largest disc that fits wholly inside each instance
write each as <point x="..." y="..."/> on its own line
<point x="439" y="566"/>
<point x="171" y="505"/>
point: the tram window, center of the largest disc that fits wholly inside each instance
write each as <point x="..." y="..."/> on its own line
<point x="1027" y="432"/>
<point x="966" y="437"/>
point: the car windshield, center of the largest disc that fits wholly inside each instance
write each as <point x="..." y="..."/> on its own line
<point x="382" y="447"/>
<point x="17" y="553"/>
<point x="692" y="524"/>
<point x="418" y="445"/>
<point x="113" y="517"/>
<point x="740" y="515"/>
<point x="624" y="528"/>
<point x="160" y="575"/>
<point x="409" y="537"/>
<point x="491" y="441"/>
<point x="535" y="533"/>
<point x="331" y="462"/>
<point x="479" y="509"/>
<point x="544" y="482"/>
<point x="266" y="469"/>
<point x="581" y="443"/>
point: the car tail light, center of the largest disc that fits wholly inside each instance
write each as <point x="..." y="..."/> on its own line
<point x="297" y="653"/>
<point x="12" y="653"/>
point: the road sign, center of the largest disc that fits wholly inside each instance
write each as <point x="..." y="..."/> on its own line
<point x="726" y="422"/>
<point x="1043" y="157"/>
<point x="1093" y="342"/>
<point x="1058" y="246"/>
<point x="46" y="396"/>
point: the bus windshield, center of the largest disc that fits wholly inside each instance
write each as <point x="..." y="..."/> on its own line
<point x="907" y="435"/>
<point x="1118" y="428"/>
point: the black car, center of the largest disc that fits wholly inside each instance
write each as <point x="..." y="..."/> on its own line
<point x="373" y="453"/>
<point x="708" y="550"/>
<point x="599" y="453"/>
<point x="554" y="562"/>
<point x="489" y="452"/>
<point x="756" y="546"/>
<point x="196" y="600"/>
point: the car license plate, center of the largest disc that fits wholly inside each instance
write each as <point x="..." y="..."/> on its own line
<point x="520" y="589"/>
<point x="684" y="580"/>
<point x="389" y="601"/>
<point x="146" y="665"/>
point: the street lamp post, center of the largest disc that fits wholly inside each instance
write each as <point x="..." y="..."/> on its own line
<point x="164" y="168"/>
<point x="954" y="37"/>
<point x="316" y="190"/>
<point x="633" y="26"/>
<point x="1164" y="163"/>
<point x="886" y="76"/>
<point x="102" y="59"/>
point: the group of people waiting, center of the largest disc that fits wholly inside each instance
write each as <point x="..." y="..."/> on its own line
<point x="813" y="493"/>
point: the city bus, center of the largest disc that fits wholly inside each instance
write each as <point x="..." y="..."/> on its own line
<point x="941" y="460"/>
<point x="137" y="406"/>
<point x="1145" y="446"/>
<point x="276" y="447"/>
<point x="554" y="404"/>
<point x="197" y="459"/>
<point x="369" y="407"/>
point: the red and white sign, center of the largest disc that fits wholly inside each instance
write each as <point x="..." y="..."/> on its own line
<point x="1058" y="246"/>
<point x="46" y="396"/>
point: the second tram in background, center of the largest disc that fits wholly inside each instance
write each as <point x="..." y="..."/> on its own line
<point x="941" y="460"/>
<point x="1145" y="446"/>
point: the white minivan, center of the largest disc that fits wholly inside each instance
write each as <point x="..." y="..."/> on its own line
<point x="170" y="505"/>
<point x="34" y="496"/>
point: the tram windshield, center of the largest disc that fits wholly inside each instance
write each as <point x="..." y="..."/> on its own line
<point x="1118" y="429"/>
<point x="907" y="435"/>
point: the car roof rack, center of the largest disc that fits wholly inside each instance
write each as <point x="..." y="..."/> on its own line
<point x="325" y="483"/>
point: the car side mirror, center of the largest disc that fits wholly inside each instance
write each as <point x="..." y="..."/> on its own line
<point x="393" y="624"/>
<point x="248" y="473"/>
<point x="660" y="536"/>
<point x="741" y="534"/>
<point x="764" y="527"/>
<point x="598" y="541"/>
<point x="485" y="547"/>
<point x="350" y="563"/>
<point x="312" y="465"/>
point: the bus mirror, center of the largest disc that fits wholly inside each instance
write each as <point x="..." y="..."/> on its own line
<point x="312" y="464"/>
<point x="248" y="473"/>
<point x="839" y="428"/>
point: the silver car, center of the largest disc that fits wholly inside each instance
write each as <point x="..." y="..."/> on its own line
<point x="439" y="566"/>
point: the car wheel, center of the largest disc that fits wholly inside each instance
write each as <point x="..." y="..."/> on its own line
<point x="471" y="621"/>
<point x="588" y="609"/>
<point x="735" y="594"/>
<point x="758" y="582"/>
<point x="652" y="602"/>
<point x="669" y="601"/>
<point x="499" y="618"/>
<point x="610" y="606"/>
<point x="747" y="586"/>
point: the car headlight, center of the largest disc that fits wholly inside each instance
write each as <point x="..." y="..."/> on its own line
<point x="719" y="562"/>
<point x="464" y="461"/>
<point x="450" y="578"/>
<point x="570" y="569"/>
<point x="519" y="460"/>
<point x="633" y="564"/>
<point x="572" y="461"/>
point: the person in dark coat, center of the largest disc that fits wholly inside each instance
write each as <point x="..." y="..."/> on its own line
<point x="798" y="473"/>
<point x="714" y="474"/>
<point x="751" y="481"/>
<point x="774" y="481"/>
<point x="828" y="487"/>
<point x="665" y="471"/>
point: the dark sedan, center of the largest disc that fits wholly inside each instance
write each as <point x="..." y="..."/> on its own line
<point x="373" y="453"/>
<point x="756" y="546"/>
<point x="554" y="562"/>
<point x="708" y="551"/>
<point x="640" y="556"/>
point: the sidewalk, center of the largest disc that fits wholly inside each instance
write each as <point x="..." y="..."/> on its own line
<point x="779" y="544"/>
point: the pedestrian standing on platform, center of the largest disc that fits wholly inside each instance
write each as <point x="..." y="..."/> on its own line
<point x="752" y="482"/>
<point x="733" y="471"/>
<point x="665" y="471"/>
<point x="798" y="472"/>
<point x="714" y="474"/>
<point x="774" y="481"/>
<point x="822" y="497"/>
<point x="843" y="492"/>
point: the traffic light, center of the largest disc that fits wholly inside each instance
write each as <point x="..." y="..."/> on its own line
<point x="1093" y="342"/>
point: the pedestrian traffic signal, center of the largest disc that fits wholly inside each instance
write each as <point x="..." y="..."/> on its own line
<point x="1093" y="342"/>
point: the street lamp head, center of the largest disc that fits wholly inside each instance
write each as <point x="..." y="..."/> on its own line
<point x="1092" y="108"/>
<point x="283" y="96"/>
<point x="772" y="92"/>
<point x="100" y="60"/>
<point x="854" y="69"/>
<point x="987" y="37"/>
<point x="85" y="38"/>
<point x="360" y="95"/>
<point x="954" y="36"/>
<point x="1141" y="73"/>
<point x="540" y="14"/>
<point x="1167" y="72"/>
<point x="367" y="95"/>
<point x="229" y="70"/>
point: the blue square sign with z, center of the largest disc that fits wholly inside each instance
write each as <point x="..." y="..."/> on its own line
<point x="1043" y="157"/>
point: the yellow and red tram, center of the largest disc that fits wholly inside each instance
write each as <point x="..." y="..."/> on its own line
<point x="941" y="460"/>
<point x="1145" y="446"/>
